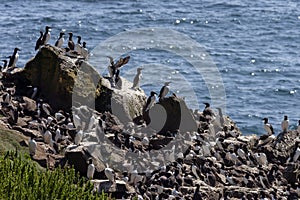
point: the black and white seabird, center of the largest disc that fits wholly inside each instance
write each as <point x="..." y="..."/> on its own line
<point x="32" y="147"/>
<point x="78" y="46"/>
<point x="39" y="42"/>
<point x="285" y="124"/>
<point x="14" y="58"/>
<point x="164" y="90"/>
<point x="90" y="169"/>
<point x="60" y="41"/>
<point x="71" y="44"/>
<point x="268" y="127"/>
<point x="84" y="51"/>
<point x="4" y="65"/>
<point x="47" y="35"/>
<point x="150" y="101"/>
<point x="208" y="111"/>
<point x="137" y="78"/>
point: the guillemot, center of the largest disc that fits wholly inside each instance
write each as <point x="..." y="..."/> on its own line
<point x="47" y="35"/>
<point x="14" y="58"/>
<point x="164" y="90"/>
<point x="39" y="41"/>
<point x="59" y="42"/>
<point x="285" y="124"/>
<point x="78" y="46"/>
<point x="268" y="127"/>
<point x="71" y="44"/>
<point x="137" y="78"/>
<point x="150" y="101"/>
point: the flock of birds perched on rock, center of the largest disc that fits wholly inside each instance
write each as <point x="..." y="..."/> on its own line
<point x="72" y="50"/>
<point x="219" y="162"/>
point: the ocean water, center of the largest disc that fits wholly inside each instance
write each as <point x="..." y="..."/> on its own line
<point x="255" y="46"/>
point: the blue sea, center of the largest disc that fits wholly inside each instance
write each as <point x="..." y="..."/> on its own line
<point x="254" y="45"/>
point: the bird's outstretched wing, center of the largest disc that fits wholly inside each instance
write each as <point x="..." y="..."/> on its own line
<point x="122" y="61"/>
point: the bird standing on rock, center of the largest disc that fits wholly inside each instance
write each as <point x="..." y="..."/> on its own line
<point x="71" y="44"/>
<point x="60" y="41"/>
<point x="150" y="101"/>
<point x="137" y="78"/>
<point x="90" y="169"/>
<point x="285" y="124"/>
<point x="14" y="58"/>
<point x="32" y="147"/>
<point x="110" y="174"/>
<point x="164" y="90"/>
<point x="268" y="127"/>
<point x="39" y="41"/>
<point x="46" y="36"/>
<point x="84" y="51"/>
<point x="78" y="46"/>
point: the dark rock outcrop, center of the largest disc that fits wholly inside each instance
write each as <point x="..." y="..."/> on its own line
<point x="65" y="81"/>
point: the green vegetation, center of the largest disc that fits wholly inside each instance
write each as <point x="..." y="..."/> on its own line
<point x="9" y="140"/>
<point x="21" y="179"/>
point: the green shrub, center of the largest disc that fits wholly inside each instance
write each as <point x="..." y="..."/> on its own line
<point x="21" y="179"/>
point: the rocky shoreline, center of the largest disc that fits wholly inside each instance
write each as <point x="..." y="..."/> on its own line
<point x="195" y="156"/>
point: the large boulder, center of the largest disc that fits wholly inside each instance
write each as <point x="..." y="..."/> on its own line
<point x="170" y="115"/>
<point x="65" y="82"/>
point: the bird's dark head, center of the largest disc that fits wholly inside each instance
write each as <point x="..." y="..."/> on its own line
<point x="206" y="105"/>
<point x="152" y="93"/>
<point x="5" y="61"/>
<point x="84" y="44"/>
<point x="48" y="28"/>
<point x="70" y="34"/>
<point x="41" y="32"/>
<point x="61" y="33"/>
<point x="265" y="120"/>
<point x="139" y="69"/>
<point x="17" y="49"/>
<point x="299" y="122"/>
<point x="79" y="37"/>
<point x="285" y="117"/>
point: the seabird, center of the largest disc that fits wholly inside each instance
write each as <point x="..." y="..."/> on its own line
<point x="35" y="90"/>
<point x="47" y="35"/>
<point x="150" y="101"/>
<point x="47" y="137"/>
<point x="261" y="158"/>
<point x="164" y="90"/>
<point x="110" y="174"/>
<point x="78" y="46"/>
<point x="32" y="147"/>
<point x="137" y="78"/>
<point x="145" y="141"/>
<point x="197" y="195"/>
<point x="60" y="41"/>
<point x="268" y="127"/>
<point x="296" y="154"/>
<point x="39" y="42"/>
<point x="118" y="81"/>
<point x="57" y="135"/>
<point x="84" y="51"/>
<point x="78" y="137"/>
<point x="14" y="58"/>
<point x="90" y="169"/>
<point x="208" y="111"/>
<point x="71" y="44"/>
<point x="4" y="65"/>
<point x="285" y="124"/>
<point x="46" y="108"/>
